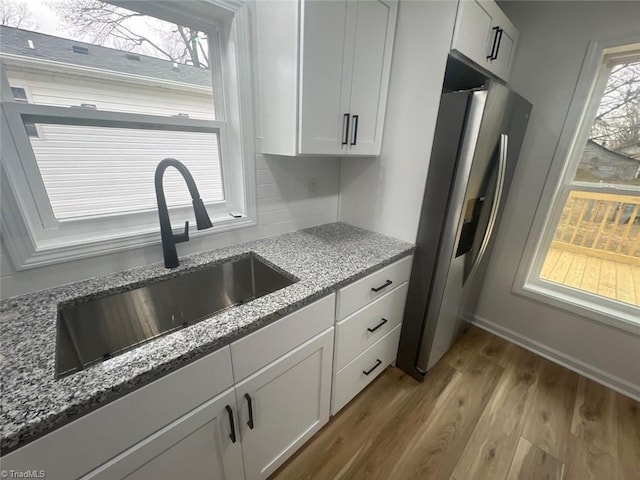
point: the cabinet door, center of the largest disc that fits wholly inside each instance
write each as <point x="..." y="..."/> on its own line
<point x="505" y="46"/>
<point x="473" y="36"/>
<point x="371" y="60"/>
<point x="197" y="445"/>
<point x="322" y="103"/>
<point x="284" y="404"/>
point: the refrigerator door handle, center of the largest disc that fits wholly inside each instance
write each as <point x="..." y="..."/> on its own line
<point x="495" y="206"/>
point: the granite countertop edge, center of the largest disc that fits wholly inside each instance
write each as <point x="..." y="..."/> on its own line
<point x="314" y="256"/>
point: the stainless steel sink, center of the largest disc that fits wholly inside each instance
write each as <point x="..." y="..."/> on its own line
<point x="99" y="329"/>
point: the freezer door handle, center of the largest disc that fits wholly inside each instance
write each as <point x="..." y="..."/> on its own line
<point x="495" y="206"/>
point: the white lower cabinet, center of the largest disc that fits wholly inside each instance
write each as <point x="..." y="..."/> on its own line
<point x="246" y="432"/>
<point x="204" y="444"/>
<point x="349" y="381"/>
<point x="284" y="404"/>
<point x="249" y="430"/>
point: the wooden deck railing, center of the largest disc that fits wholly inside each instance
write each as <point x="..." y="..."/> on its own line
<point x="601" y="224"/>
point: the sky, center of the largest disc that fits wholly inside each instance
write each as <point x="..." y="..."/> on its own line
<point x="49" y="22"/>
<point x="46" y="18"/>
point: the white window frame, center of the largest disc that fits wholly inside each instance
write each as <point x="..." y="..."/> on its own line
<point x="34" y="237"/>
<point x="600" y="58"/>
<point x="29" y="99"/>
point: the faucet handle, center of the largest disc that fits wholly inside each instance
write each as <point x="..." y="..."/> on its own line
<point x="183" y="236"/>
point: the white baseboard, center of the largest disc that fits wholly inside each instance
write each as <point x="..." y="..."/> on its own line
<point x="597" y="375"/>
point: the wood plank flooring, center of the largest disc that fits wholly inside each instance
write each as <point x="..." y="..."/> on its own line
<point x="608" y="278"/>
<point x="488" y="410"/>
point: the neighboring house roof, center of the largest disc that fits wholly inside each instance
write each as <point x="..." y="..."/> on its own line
<point x="15" y="41"/>
<point x="632" y="150"/>
<point x="598" y="163"/>
<point x="593" y="147"/>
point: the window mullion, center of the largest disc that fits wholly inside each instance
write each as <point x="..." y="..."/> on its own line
<point x="87" y="117"/>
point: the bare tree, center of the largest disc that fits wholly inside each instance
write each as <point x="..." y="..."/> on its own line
<point x="15" y="13"/>
<point x="105" y="24"/>
<point x="617" y="123"/>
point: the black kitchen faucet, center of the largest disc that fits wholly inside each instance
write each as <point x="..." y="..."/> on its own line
<point x="169" y="239"/>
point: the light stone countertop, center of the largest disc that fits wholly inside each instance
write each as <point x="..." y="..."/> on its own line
<point x="34" y="402"/>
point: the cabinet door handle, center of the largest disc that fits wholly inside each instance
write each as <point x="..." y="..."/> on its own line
<point x="345" y="128"/>
<point x="384" y="320"/>
<point x="493" y="46"/>
<point x="384" y="285"/>
<point x="378" y="363"/>
<point x="232" y="435"/>
<point x="354" y="141"/>
<point x="250" y="404"/>
<point x="499" y="35"/>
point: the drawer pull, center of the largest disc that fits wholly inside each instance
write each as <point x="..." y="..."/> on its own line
<point x="385" y="285"/>
<point x="384" y="320"/>
<point x="250" y="405"/>
<point x="378" y="363"/>
<point x="232" y="436"/>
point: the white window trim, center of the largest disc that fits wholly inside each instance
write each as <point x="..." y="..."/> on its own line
<point x="22" y="224"/>
<point x="27" y="92"/>
<point x="584" y="104"/>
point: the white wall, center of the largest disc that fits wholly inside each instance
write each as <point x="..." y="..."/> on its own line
<point x="553" y="43"/>
<point x="284" y="204"/>
<point x="384" y="194"/>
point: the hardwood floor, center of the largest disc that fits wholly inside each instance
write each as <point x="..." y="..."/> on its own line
<point x="488" y="410"/>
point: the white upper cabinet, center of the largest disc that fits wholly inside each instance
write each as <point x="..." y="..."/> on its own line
<point x="323" y="72"/>
<point x="322" y="97"/>
<point x="484" y="34"/>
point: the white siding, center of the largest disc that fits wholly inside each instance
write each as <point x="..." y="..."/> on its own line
<point x="56" y="89"/>
<point x="89" y="171"/>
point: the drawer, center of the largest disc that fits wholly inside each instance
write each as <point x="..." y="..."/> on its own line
<point x="358" y="294"/>
<point x="349" y="381"/>
<point x="354" y="335"/>
<point x="91" y="440"/>
<point x="251" y="353"/>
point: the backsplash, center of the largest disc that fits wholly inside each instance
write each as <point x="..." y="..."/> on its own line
<point x="285" y="203"/>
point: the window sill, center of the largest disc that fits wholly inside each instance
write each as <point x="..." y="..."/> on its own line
<point x="26" y="255"/>
<point x="599" y="309"/>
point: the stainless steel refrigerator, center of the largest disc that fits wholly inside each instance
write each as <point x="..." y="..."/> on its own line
<point x="476" y="146"/>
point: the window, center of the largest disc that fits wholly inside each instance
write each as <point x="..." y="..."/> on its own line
<point x="589" y="253"/>
<point x="79" y="49"/>
<point x="20" y="95"/>
<point x="88" y="130"/>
